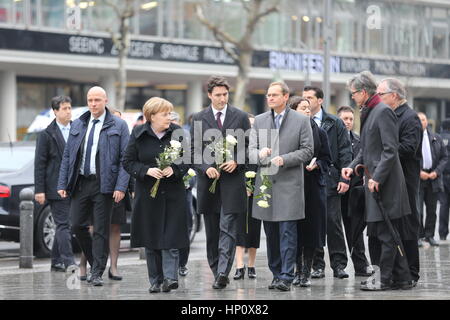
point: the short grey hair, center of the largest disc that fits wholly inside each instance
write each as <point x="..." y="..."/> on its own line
<point x="364" y="81"/>
<point x="395" y="86"/>
<point x="174" y="116"/>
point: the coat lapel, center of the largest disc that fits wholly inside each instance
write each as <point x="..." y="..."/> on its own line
<point x="56" y="134"/>
<point x="209" y="117"/>
<point x="230" y="116"/>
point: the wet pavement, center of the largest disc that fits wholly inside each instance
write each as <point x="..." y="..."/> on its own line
<point x="41" y="284"/>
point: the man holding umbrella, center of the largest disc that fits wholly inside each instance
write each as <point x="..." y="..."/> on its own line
<point x="385" y="189"/>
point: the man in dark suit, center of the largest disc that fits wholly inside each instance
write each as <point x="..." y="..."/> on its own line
<point x="379" y="153"/>
<point x="341" y="156"/>
<point x="393" y="93"/>
<point x="352" y="204"/>
<point x="434" y="160"/>
<point x="49" y="152"/>
<point x="444" y="197"/>
<point x="92" y="173"/>
<point x="221" y="208"/>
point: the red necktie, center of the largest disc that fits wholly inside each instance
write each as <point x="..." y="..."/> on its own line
<point x="219" y="122"/>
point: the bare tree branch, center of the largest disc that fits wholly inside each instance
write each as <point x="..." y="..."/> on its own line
<point x="245" y="5"/>
<point x="253" y="22"/>
<point x="213" y="28"/>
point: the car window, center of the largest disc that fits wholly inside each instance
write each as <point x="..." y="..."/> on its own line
<point x="15" y="159"/>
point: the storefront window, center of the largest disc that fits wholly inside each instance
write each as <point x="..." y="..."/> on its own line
<point x="53" y="13"/>
<point x="148" y="17"/>
<point x="5" y="11"/>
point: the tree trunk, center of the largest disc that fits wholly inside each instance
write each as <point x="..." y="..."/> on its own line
<point x="242" y="79"/>
<point x="122" y="77"/>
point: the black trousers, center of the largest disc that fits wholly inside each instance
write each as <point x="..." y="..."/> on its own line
<point x="393" y="266"/>
<point x="88" y="204"/>
<point x="162" y="264"/>
<point x="184" y="252"/>
<point x="427" y="196"/>
<point x="62" y="245"/>
<point x="221" y="233"/>
<point x="335" y="237"/>
<point x="352" y="206"/>
<point x="444" y="199"/>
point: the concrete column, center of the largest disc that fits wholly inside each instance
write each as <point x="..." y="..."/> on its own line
<point x="194" y="97"/>
<point x="342" y="97"/>
<point x="109" y="84"/>
<point x="8" y="106"/>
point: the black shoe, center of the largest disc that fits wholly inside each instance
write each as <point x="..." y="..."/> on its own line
<point x="113" y="277"/>
<point x="89" y="277"/>
<point x="379" y="287"/>
<point x="305" y="282"/>
<point x="296" y="281"/>
<point x="240" y="273"/>
<point x="169" y="284"/>
<point x="155" y="288"/>
<point x="432" y="242"/>
<point x="183" y="271"/>
<point x="82" y="278"/>
<point x="317" y="274"/>
<point x="364" y="273"/>
<point x="283" y="285"/>
<point x="403" y="285"/>
<point x="58" y="267"/>
<point x="221" y="281"/>
<point x="274" y="283"/>
<point x="340" y="273"/>
<point x="97" y="281"/>
<point x="251" y="272"/>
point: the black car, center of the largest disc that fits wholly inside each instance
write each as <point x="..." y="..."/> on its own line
<point x="16" y="173"/>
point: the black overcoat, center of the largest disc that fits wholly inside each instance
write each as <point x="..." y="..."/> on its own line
<point x="230" y="192"/>
<point x="160" y="222"/>
<point x="313" y="229"/>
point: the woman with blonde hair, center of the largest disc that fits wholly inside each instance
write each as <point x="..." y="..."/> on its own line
<point x="159" y="224"/>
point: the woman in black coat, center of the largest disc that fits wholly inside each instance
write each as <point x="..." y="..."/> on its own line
<point x="159" y="224"/>
<point x="313" y="229"/>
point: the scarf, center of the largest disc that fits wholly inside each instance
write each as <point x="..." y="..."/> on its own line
<point x="365" y="109"/>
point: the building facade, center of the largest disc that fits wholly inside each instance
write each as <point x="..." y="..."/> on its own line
<point x="50" y="47"/>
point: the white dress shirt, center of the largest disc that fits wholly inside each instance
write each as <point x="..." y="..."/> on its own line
<point x="64" y="130"/>
<point x="426" y="151"/>
<point x="222" y="116"/>
<point x="98" y="128"/>
<point x="318" y="117"/>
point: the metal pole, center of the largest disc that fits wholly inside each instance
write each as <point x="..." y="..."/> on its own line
<point x="26" y="228"/>
<point x="327" y="28"/>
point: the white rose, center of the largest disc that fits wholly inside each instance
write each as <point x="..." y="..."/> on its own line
<point x="263" y="204"/>
<point x="263" y="188"/>
<point x="191" y="173"/>
<point x="175" y="144"/>
<point x="250" y="174"/>
<point x="231" y="140"/>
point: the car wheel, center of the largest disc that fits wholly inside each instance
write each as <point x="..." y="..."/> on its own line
<point x="44" y="234"/>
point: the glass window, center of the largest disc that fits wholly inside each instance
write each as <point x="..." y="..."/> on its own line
<point x="5" y="11"/>
<point x="53" y="13"/>
<point x="148" y="17"/>
<point x="440" y="42"/>
<point x="193" y="28"/>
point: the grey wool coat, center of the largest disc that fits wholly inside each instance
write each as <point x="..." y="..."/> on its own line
<point x="294" y="143"/>
<point x="379" y="152"/>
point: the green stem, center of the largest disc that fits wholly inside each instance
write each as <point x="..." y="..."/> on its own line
<point x="155" y="188"/>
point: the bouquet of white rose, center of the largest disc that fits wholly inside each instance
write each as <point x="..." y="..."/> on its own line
<point x="188" y="176"/>
<point x="223" y="152"/>
<point x="166" y="159"/>
<point x="265" y="184"/>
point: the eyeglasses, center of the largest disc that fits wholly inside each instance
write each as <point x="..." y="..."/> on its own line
<point x="272" y="95"/>
<point x="383" y="93"/>
<point x="355" y="92"/>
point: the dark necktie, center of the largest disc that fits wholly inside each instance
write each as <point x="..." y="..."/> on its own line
<point x="87" y="159"/>
<point x="219" y="122"/>
<point x="277" y="121"/>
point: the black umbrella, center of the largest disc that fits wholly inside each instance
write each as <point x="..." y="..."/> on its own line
<point x="386" y="219"/>
<point x="356" y="212"/>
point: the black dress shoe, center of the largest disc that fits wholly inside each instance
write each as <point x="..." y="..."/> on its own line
<point x="82" y="278"/>
<point x="274" y="283"/>
<point x="296" y="281"/>
<point x="283" y="285"/>
<point x="169" y="284"/>
<point x="58" y="267"/>
<point x="155" y="288"/>
<point x="364" y="273"/>
<point x="378" y="287"/>
<point x="403" y="285"/>
<point x="432" y="242"/>
<point x="97" y="281"/>
<point x="340" y="273"/>
<point x="317" y="274"/>
<point x="251" y="271"/>
<point x="113" y="277"/>
<point x="305" y="282"/>
<point x="240" y="273"/>
<point x="183" y="271"/>
<point x="221" y="281"/>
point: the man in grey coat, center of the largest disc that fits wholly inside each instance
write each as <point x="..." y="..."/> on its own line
<point x="379" y="153"/>
<point x="281" y="142"/>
